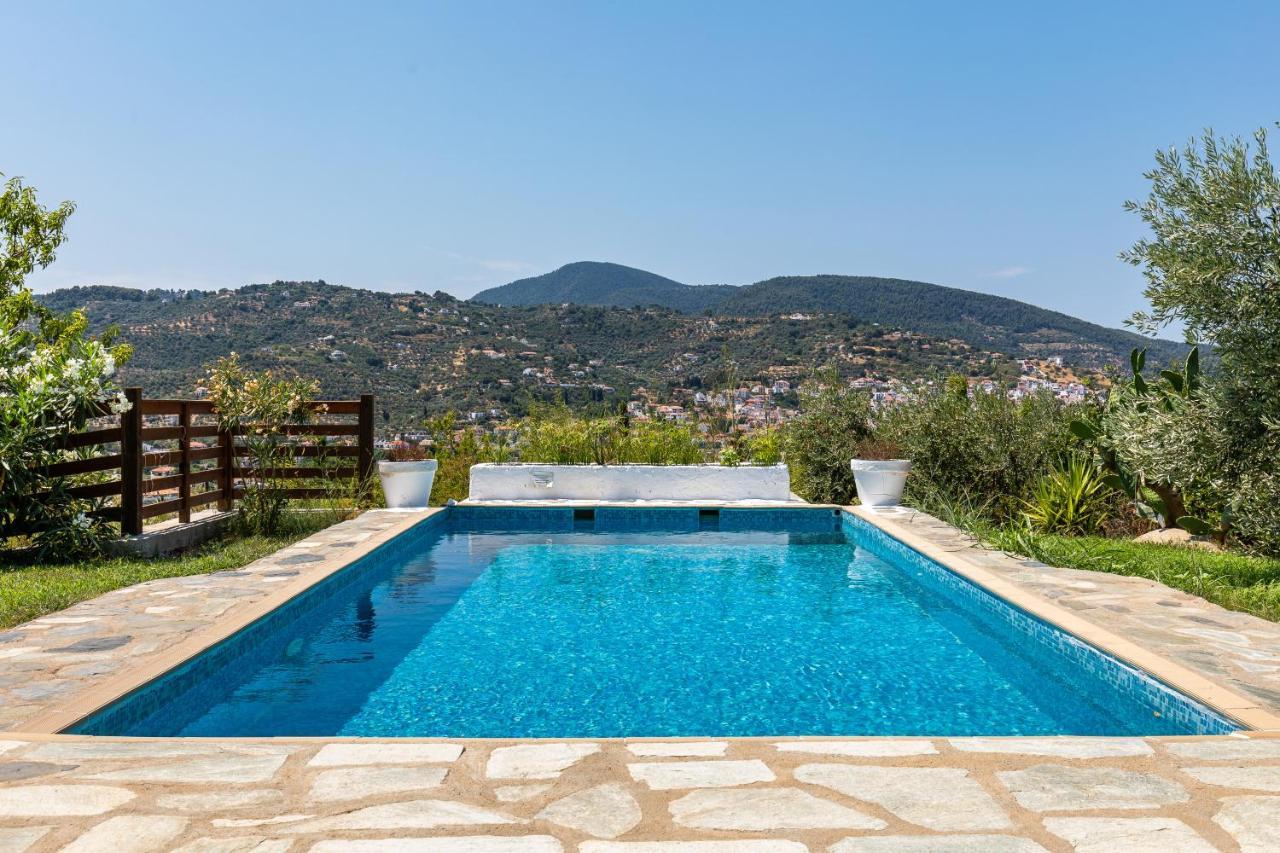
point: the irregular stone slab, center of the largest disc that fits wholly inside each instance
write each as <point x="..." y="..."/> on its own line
<point x="1059" y="747"/>
<point x="1258" y="778"/>
<point x="353" y="783"/>
<point x="700" y="774"/>
<point x="605" y="811"/>
<point x="759" y="809"/>
<point x="1254" y="822"/>
<point x="94" y="644"/>
<point x="860" y="748"/>
<point x="338" y="754"/>
<point x="222" y="768"/>
<point x="536" y="761"/>
<point x="243" y="844"/>
<point x="61" y="800"/>
<point x="1226" y="749"/>
<point x="455" y="844"/>
<point x="129" y="834"/>
<point x="1054" y="787"/>
<point x="913" y="793"/>
<point x="83" y="750"/>
<point x="215" y="801"/>
<point x="18" y="840"/>
<point x="412" y="814"/>
<point x="938" y="844"/>
<point x="516" y="793"/>
<point x="691" y="749"/>
<point x="692" y="847"/>
<point x="15" y="770"/>
<point x="1130" y="834"/>
<point x="241" y="823"/>
<point x="6" y="745"/>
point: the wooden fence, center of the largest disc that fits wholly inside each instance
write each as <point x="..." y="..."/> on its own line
<point x="170" y="457"/>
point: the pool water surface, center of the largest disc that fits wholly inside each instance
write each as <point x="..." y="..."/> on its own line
<point x="537" y="624"/>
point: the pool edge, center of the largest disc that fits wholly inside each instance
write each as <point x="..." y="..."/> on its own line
<point x="1248" y="713"/>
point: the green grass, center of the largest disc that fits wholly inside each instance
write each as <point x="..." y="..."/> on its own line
<point x="1234" y="581"/>
<point x="28" y="591"/>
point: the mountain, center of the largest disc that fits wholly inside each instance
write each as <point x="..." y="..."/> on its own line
<point x="424" y="354"/>
<point x="598" y="283"/>
<point x="979" y="319"/>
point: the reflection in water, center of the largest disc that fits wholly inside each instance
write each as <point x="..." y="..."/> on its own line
<point x="365" y="616"/>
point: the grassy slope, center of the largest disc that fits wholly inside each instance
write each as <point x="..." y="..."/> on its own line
<point x="30" y="591"/>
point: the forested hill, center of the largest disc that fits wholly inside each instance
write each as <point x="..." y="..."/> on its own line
<point x="597" y="283"/>
<point x="428" y="353"/>
<point x="979" y="319"/>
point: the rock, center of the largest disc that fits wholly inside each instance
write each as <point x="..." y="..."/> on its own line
<point x="605" y="811"/>
<point x="1059" y="747"/>
<point x="860" y="748"/>
<point x="411" y="814"/>
<point x="1226" y="749"/>
<point x="1054" y="787"/>
<point x="338" y="754"/>
<point x="516" y="793"/>
<point x="455" y="844"/>
<point x="61" y="800"/>
<point x="222" y="768"/>
<point x="354" y="783"/>
<point x="1131" y="834"/>
<point x="536" y="761"/>
<point x="938" y="844"/>
<point x="242" y="844"/>
<point x="759" y="809"/>
<point x="700" y="774"/>
<point x="1256" y="778"/>
<point x="215" y="801"/>
<point x="129" y="834"/>
<point x="19" y="840"/>
<point x="689" y="749"/>
<point x="1254" y="822"/>
<point x="1178" y="536"/>
<point x="692" y="847"/>
<point x="912" y="793"/>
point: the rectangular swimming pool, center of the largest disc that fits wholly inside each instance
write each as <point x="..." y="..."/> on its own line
<point x="616" y="622"/>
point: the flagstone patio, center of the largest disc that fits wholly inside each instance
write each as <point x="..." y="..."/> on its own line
<point x="609" y="796"/>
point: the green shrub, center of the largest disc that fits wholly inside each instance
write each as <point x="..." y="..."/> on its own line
<point x="764" y="446"/>
<point x="557" y="436"/>
<point x="823" y="439"/>
<point x="987" y="452"/>
<point x="1072" y="499"/>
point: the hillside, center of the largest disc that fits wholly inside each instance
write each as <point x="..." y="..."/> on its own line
<point x="597" y="283"/>
<point x="979" y="319"/>
<point x="428" y="353"/>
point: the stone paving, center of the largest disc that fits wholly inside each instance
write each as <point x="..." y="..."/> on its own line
<point x="1014" y="795"/>
<point x="855" y="795"/>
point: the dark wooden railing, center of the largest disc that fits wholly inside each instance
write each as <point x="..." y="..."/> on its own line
<point x="163" y="465"/>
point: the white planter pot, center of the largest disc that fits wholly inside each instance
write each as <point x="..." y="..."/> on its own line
<point x="407" y="484"/>
<point x="880" y="482"/>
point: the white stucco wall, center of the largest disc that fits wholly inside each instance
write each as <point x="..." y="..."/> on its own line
<point x="531" y="481"/>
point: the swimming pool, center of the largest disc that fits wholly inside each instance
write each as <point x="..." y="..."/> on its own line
<point x="619" y="622"/>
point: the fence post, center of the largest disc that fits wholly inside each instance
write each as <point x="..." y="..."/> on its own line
<point x="227" y="464"/>
<point x="184" y="467"/>
<point x="364" y="465"/>
<point x="131" y="464"/>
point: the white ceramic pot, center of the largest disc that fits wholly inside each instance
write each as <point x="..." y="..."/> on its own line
<point x="407" y="484"/>
<point x="880" y="482"/>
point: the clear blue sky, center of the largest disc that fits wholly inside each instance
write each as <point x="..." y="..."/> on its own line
<point x="460" y="145"/>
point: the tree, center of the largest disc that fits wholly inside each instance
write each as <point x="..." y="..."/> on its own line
<point x="31" y="234"/>
<point x="1213" y="264"/>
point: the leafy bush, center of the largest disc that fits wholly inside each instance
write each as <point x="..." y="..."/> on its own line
<point x="1071" y="500"/>
<point x="556" y="436"/>
<point x="821" y="441"/>
<point x="764" y="446"/>
<point x="258" y="405"/>
<point x="456" y="451"/>
<point x="986" y="451"/>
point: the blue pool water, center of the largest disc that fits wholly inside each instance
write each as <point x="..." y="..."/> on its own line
<point x="529" y="623"/>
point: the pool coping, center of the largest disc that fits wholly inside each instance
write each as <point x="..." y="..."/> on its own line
<point x="1250" y="714"/>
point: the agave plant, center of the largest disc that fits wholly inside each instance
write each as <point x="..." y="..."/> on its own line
<point x="1070" y="500"/>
